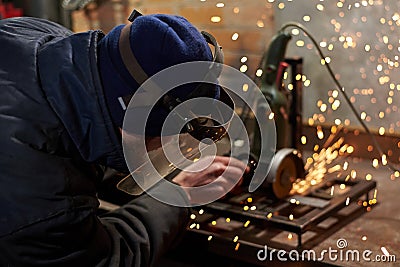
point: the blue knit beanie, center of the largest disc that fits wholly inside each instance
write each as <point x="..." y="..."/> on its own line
<point x="157" y="42"/>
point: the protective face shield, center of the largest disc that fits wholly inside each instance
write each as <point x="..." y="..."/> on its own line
<point x="175" y="152"/>
<point x="190" y="131"/>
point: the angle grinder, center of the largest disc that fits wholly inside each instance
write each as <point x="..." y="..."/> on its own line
<point x="286" y="166"/>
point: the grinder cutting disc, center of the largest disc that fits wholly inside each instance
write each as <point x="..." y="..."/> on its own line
<point x="286" y="167"/>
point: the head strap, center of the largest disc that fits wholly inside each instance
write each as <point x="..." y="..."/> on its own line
<point x="127" y="55"/>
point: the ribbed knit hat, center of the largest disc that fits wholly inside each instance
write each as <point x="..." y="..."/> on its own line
<point x="157" y="42"/>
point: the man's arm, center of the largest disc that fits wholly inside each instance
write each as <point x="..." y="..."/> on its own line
<point x="142" y="230"/>
<point x="134" y="235"/>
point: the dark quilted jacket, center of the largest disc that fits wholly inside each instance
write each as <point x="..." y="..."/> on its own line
<point x="55" y="132"/>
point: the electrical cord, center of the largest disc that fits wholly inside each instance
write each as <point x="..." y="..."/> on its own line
<point x="341" y="89"/>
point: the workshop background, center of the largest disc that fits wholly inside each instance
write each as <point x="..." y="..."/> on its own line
<point x="359" y="37"/>
<point x="360" y="40"/>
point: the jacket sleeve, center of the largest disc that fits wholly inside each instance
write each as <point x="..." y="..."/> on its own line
<point x="136" y="234"/>
<point x="144" y="229"/>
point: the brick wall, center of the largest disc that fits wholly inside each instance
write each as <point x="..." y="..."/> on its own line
<point x="251" y="21"/>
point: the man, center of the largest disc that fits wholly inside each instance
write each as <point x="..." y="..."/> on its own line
<point x="61" y="120"/>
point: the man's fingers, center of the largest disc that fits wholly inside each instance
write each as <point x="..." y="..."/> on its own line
<point x="230" y="168"/>
<point x="207" y="162"/>
<point x="231" y="162"/>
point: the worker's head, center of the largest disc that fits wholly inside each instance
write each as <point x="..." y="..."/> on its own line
<point x="157" y="42"/>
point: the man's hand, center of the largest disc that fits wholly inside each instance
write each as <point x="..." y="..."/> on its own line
<point x="204" y="181"/>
